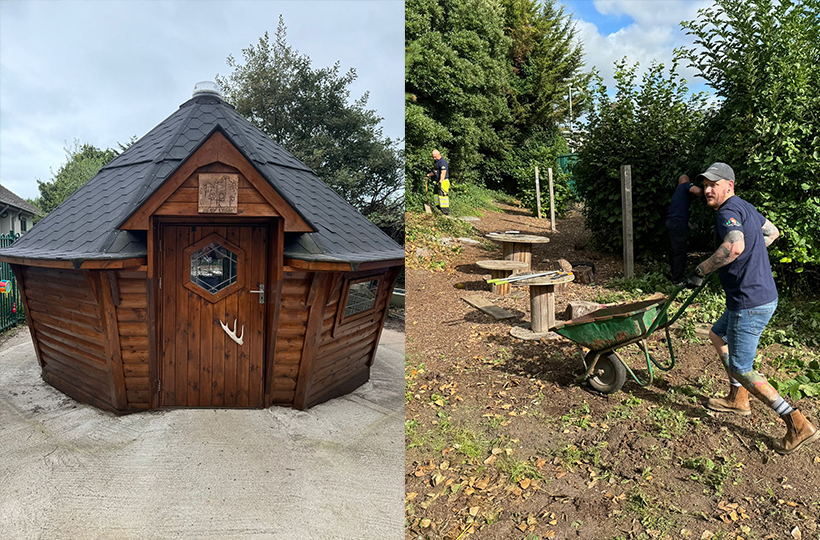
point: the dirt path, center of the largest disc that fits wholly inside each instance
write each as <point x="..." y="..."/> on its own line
<point x="503" y="444"/>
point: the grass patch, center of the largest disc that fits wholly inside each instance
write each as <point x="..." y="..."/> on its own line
<point x="625" y="408"/>
<point x="669" y="423"/>
<point x="649" y="512"/>
<point x="714" y="473"/>
<point x="577" y="417"/>
<point x="516" y="469"/>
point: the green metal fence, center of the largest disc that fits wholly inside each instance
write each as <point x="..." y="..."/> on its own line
<point x="566" y="161"/>
<point x="11" y="307"/>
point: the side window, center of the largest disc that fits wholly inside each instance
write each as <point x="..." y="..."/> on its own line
<point x="23" y="225"/>
<point x="357" y="303"/>
<point x="361" y="297"/>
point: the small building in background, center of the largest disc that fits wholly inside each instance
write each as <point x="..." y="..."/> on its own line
<point x="16" y="215"/>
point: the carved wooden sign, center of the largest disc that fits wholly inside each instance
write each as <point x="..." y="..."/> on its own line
<point x="218" y="193"/>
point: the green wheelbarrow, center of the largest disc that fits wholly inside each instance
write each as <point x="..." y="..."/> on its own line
<point x="608" y="329"/>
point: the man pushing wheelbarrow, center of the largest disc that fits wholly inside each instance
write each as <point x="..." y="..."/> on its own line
<point x="742" y="236"/>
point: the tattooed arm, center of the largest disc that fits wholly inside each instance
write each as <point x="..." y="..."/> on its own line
<point x="770" y="233"/>
<point x="733" y="245"/>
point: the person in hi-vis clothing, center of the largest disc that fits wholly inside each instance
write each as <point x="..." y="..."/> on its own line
<point x="442" y="176"/>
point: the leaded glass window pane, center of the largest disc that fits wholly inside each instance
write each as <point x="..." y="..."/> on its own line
<point x="213" y="268"/>
<point x="362" y="296"/>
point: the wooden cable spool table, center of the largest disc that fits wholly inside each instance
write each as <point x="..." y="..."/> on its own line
<point x="517" y="247"/>
<point x="542" y="305"/>
<point x="500" y="269"/>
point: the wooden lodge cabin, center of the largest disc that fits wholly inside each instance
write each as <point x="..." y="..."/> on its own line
<point x="205" y="266"/>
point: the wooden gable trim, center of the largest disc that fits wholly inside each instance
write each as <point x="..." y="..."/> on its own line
<point x="216" y="149"/>
<point x="299" y="265"/>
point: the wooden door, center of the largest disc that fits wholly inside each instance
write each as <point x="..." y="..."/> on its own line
<point x="207" y="278"/>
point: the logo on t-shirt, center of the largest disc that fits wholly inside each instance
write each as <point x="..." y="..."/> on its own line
<point x="733" y="223"/>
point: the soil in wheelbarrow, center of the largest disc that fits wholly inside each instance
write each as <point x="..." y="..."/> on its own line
<point x="502" y="443"/>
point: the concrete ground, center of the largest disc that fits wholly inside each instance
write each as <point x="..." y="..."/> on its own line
<point x="69" y="471"/>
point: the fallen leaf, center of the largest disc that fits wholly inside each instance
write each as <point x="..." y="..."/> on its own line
<point x="540" y="462"/>
<point x="411" y="496"/>
<point x="474" y="510"/>
<point x="425" y="523"/>
<point x="524" y="483"/>
<point x="444" y="465"/>
<point x="549" y="534"/>
<point x="796" y="534"/>
<point x="490" y="460"/>
<point x="707" y="535"/>
<point x="522" y="527"/>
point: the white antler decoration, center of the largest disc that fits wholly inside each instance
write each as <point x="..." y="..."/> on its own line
<point x="233" y="334"/>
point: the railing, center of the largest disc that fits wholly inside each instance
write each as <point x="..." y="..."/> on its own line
<point x="11" y="306"/>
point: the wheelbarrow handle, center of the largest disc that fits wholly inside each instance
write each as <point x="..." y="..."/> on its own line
<point x="665" y="306"/>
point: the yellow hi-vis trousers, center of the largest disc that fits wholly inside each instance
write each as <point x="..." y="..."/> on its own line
<point x="440" y="197"/>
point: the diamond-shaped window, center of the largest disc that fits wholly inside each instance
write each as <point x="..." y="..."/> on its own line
<point x="213" y="267"/>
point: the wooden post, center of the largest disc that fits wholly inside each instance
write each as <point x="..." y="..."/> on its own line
<point x="537" y="192"/>
<point x="626" y="212"/>
<point x="552" y="202"/>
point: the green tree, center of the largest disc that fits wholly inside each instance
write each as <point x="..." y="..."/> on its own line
<point x="82" y="162"/>
<point x="308" y="111"/>
<point x="486" y="82"/>
<point x="456" y="82"/>
<point x="653" y="128"/>
<point x="546" y="58"/>
<point x="762" y="57"/>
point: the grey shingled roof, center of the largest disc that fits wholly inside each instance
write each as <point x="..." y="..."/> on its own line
<point x="9" y="198"/>
<point x="85" y="226"/>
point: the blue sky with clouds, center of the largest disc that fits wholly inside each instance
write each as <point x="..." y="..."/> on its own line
<point x="641" y="30"/>
<point x="102" y="72"/>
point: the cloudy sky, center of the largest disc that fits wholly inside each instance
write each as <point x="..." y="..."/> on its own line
<point x="641" y="30"/>
<point x="104" y="71"/>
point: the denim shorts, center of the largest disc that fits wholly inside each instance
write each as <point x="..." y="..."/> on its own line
<point x="741" y="331"/>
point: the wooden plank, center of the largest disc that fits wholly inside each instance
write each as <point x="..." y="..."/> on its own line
<point x="133" y="329"/>
<point x="181" y="322"/>
<point x="112" y="342"/>
<point x="282" y="397"/>
<point x="342" y="387"/>
<point x="69" y="340"/>
<point x="168" y="331"/>
<point x="152" y="275"/>
<point x="482" y="304"/>
<point x="135" y="370"/>
<point x="131" y="315"/>
<point x="86" y="265"/>
<point x="133" y="286"/>
<point x="125" y="275"/>
<point x="285" y="370"/>
<point x="64" y="295"/>
<point x="136" y="357"/>
<point x="136" y="399"/>
<point x="537" y="193"/>
<point x="94" y="335"/>
<point x="78" y="377"/>
<point x="206" y="353"/>
<point x="316" y="300"/>
<point x="256" y="370"/>
<point x="139" y="301"/>
<point x="383" y="303"/>
<point x="91" y="367"/>
<point x="21" y="287"/>
<point x="74" y="392"/>
<point x="134" y="343"/>
<point x="192" y="324"/>
<point x="190" y="195"/>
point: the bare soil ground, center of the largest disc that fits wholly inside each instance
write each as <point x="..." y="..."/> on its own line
<point x="502" y="443"/>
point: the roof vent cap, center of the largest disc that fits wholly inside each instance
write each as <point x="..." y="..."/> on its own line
<point x="206" y="88"/>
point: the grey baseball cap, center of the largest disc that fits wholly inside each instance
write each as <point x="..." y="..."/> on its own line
<point x="718" y="171"/>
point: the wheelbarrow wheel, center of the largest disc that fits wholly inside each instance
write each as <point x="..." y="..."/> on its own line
<point x="609" y="374"/>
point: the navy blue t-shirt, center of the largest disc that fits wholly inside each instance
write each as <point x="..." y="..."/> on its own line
<point x="747" y="280"/>
<point x="442" y="165"/>
<point x="679" y="208"/>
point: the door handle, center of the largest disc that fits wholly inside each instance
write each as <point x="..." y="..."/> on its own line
<point x="261" y="293"/>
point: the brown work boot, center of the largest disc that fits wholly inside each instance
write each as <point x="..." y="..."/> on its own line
<point x="736" y="402"/>
<point x="798" y="432"/>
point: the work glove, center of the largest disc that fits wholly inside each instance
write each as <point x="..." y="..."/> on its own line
<point x="693" y="281"/>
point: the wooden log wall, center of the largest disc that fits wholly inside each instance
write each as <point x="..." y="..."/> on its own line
<point x="343" y="358"/>
<point x="68" y="326"/>
<point x="131" y="303"/>
<point x="91" y="333"/>
<point x="290" y="335"/>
